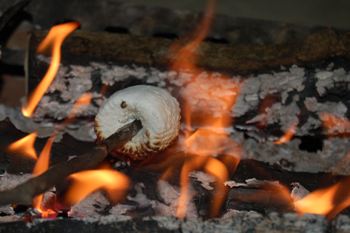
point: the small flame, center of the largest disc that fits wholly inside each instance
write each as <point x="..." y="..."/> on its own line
<point x="190" y="165"/>
<point x="331" y="200"/>
<point x="288" y="135"/>
<point x="24" y="146"/>
<point x="86" y="182"/>
<point x="40" y="167"/>
<point x="42" y="164"/>
<point x="83" y="100"/>
<point x="327" y="201"/>
<point x="186" y="56"/>
<point x="53" y="40"/>
<point x="210" y="165"/>
<point x="335" y="125"/>
<point x="219" y="171"/>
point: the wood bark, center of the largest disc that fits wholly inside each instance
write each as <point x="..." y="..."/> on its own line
<point x="83" y="47"/>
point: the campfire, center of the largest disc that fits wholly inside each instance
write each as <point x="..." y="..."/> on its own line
<point x="151" y="133"/>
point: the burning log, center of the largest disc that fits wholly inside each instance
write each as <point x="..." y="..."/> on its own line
<point x="292" y="100"/>
<point x="24" y="193"/>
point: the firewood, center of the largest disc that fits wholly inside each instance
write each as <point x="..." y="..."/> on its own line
<point x="24" y="193"/>
<point x="83" y="47"/>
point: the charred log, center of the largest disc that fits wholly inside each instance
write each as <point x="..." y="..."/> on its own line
<point x="25" y="192"/>
<point x="84" y="47"/>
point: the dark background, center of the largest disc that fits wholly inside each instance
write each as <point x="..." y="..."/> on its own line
<point x="308" y="12"/>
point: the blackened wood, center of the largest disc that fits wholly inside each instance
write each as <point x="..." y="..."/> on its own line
<point x="259" y="199"/>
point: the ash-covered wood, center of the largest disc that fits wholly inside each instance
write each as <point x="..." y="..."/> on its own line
<point x="234" y="222"/>
<point x="268" y="105"/>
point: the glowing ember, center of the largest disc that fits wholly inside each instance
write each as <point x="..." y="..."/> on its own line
<point x="288" y="135"/>
<point x="53" y="40"/>
<point x="335" y="125"/>
<point x="83" y="183"/>
<point x="328" y="201"/>
<point x="83" y="100"/>
<point x="24" y="146"/>
<point x="41" y="166"/>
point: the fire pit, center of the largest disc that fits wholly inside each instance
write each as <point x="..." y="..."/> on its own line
<point x="241" y="125"/>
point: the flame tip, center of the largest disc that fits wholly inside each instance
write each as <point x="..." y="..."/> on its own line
<point x="53" y="41"/>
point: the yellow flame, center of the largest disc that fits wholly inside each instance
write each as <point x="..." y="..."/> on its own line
<point x="41" y="166"/>
<point x="24" y="146"/>
<point x="54" y="39"/>
<point x="87" y="182"/>
<point x="326" y="201"/>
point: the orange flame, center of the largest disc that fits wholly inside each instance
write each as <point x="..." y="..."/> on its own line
<point x="327" y="201"/>
<point x="331" y="200"/>
<point x="210" y="137"/>
<point x="83" y="100"/>
<point x="185" y="58"/>
<point x="41" y="166"/>
<point x="53" y="40"/>
<point x="288" y="135"/>
<point x="190" y="165"/>
<point x="211" y="166"/>
<point x="335" y="125"/>
<point x="219" y="171"/>
<point x="87" y="182"/>
<point x="24" y="146"/>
